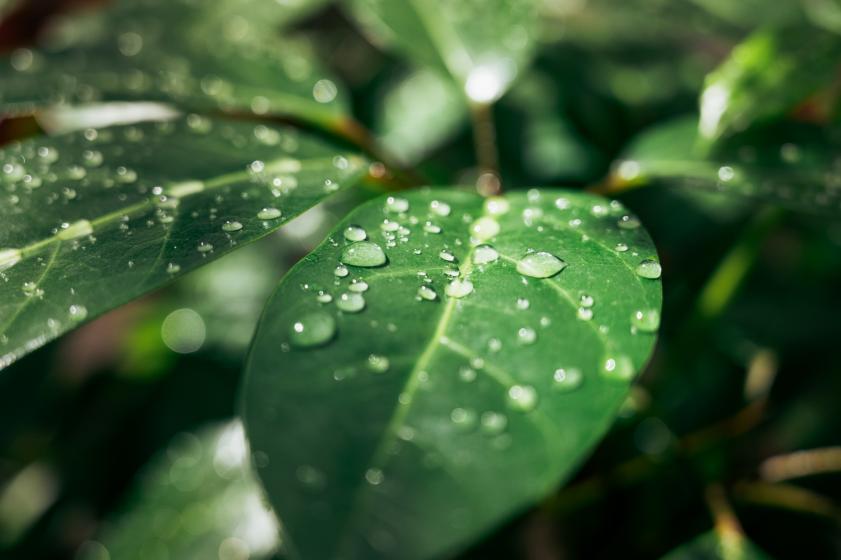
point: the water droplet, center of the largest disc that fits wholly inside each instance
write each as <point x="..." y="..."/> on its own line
<point x="619" y="367"/>
<point x="646" y="320"/>
<point x="484" y="228"/>
<point x="567" y="379"/>
<point x="341" y="271"/>
<point x="628" y="222"/>
<point x="77" y="312"/>
<point x="586" y="300"/>
<point x="621" y="247"/>
<point x="173" y="268"/>
<point x="726" y="173"/>
<point x="358" y="286"/>
<point x="323" y="297"/>
<point x="463" y="418"/>
<point x="324" y="91"/>
<point x="540" y="265"/>
<point x="497" y="206"/>
<point x="584" y="313"/>
<point x="522" y="397"/>
<point x="313" y="329"/>
<point x="494" y="345"/>
<point x="351" y="302"/>
<point x="599" y="210"/>
<point x="9" y="258"/>
<point x="231" y="226"/>
<point x="396" y="205"/>
<point x="649" y="268"/>
<point x="30" y="289"/>
<point x="75" y="230"/>
<point x="427" y="293"/>
<point x="363" y="253"/>
<point x="355" y="233"/>
<point x="523" y="304"/>
<point x="374" y="476"/>
<point x="440" y="208"/>
<point x="447" y="256"/>
<point x="493" y="423"/>
<point x="466" y="374"/>
<point x="485" y="254"/>
<point x="526" y="335"/>
<point x="429" y="227"/>
<point x="459" y="288"/>
<point x="269" y="214"/>
<point x="378" y="364"/>
<point x="204" y="247"/>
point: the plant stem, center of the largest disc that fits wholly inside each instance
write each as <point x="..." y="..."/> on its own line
<point x="786" y="496"/>
<point x="484" y="142"/>
<point x="726" y="523"/>
<point x="801" y="464"/>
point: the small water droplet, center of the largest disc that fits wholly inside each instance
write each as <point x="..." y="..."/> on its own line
<point x="351" y="302"/>
<point x="567" y="379"/>
<point x="493" y="423"/>
<point x="75" y="230"/>
<point x="341" y="271"/>
<point x="619" y="367"/>
<point x="427" y="293"/>
<point x="584" y="313"/>
<point x="269" y="214"/>
<point x="466" y="374"/>
<point x="355" y="233"/>
<point x="540" y="265"/>
<point x="439" y="208"/>
<point x="364" y="254"/>
<point x="429" y="227"/>
<point x="173" y="268"/>
<point x="313" y="329"/>
<point x="621" y="247"/>
<point x="447" y="256"/>
<point x="459" y="288"/>
<point x="77" y="312"/>
<point x="463" y="418"/>
<point x="358" y="286"/>
<point x="649" y="268"/>
<point x="374" y="477"/>
<point x="522" y="397"/>
<point x="628" y="222"/>
<point x="526" y="335"/>
<point x="396" y="205"/>
<point x="646" y="320"/>
<point x="204" y="247"/>
<point x="378" y="363"/>
<point x="231" y="226"/>
<point x="523" y="304"/>
<point x="484" y="229"/>
<point x="485" y="254"/>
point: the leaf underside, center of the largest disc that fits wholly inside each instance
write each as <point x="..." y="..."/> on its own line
<point x="94" y="219"/>
<point x="422" y="421"/>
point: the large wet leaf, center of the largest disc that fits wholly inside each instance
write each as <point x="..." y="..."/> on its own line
<point x="410" y="392"/>
<point x="198" y="499"/>
<point x="201" y="55"/>
<point x="766" y="76"/>
<point x="715" y="546"/>
<point x="795" y="166"/>
<point x="96" y="218"/>
<point x="482" y="44"/>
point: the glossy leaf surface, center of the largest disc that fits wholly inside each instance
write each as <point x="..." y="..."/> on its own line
<point x="226" y="55"/>
<point x="96" y="218"/>
<point x="410" y="391"/>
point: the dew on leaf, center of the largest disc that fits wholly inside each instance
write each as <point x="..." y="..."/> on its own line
<point x="364" y="254"/>
<point x="646" y="320"/>
<point x="351" y="302"/>
<point x="341" y="271"/>
<point x="493" y="423"/>
<point x="313" y="329"/>
<point x="459" y="288"/>
<point x="463" y="418"/>
<point x="231" y="226"/>
<point x="204" y="247"/>
<point x="268" y="214"/>
<point x="447" y="256"/>
<point x="355" y="233"/>
<point x="618" y="367"/>
<point x="427" y="293"/>
<point x="396" y="205"/>
<point x="628" y="222"/>
<point x="567" y="379"/>
<point x="540" y="265"/>
<point x="522" y="397"/>
<point x="358" y="286"/>
<point x="497" y="206"/>
<point x="526" y="335"/>
<point x="378" y="363"/>
<point x="439" y="208"/>
<point x="484" y="228"/>
<point x="584" y="313"/>
<point x="650" y="269"/>
<point x="484" y="254"/>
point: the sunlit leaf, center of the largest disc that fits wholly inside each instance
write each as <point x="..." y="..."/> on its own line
<point x="94" y="219"/>
<point x="220" y="55"/>
<point x="715" y="546"/>
<point x="482" y="44"/>
<point x="198" y="499"/>
<point x="766" y="76"/>
<point x="396" y="382"/>
<point x="796" y="166"/>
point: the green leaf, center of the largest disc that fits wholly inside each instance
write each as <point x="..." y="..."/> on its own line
<point x="751" y="13"/>
<point x="715" y="546"/>
<point x="94" y="219"/>
<point x="765" y="77"/>
<point x="482" y="44"/>
<point x="406" y="409"/>
<point x="790" y="165"/>
<point x="198" y="499"/>
<point x="199" y="55"/>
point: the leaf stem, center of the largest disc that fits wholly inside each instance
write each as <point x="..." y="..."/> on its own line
<point x="726" y="523"/>
<point x="786" y="496"/>
<point x="801" y="464"/>
<point x="484" y="143"/>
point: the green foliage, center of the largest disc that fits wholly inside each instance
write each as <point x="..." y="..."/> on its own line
<point x="495" y="342"/>
<point x="718" y="546"/>
<point x="96" y="218"/>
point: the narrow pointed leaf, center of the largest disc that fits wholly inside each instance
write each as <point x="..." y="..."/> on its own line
<point x="767" y="76"/>
<point x="199" y="55"/>
<point x="407" y="419"/>
<point x="715" y="546"/>
<point x="793" y="166"/>
<point x="96" y="218"/>
<point x="482" y="46"/>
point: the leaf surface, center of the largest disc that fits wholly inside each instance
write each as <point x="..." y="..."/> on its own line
<point x="94" y="219"/>
<point x="715" y="546"/>
<point x="405" y="409"/>
<point x="225" y="55"/>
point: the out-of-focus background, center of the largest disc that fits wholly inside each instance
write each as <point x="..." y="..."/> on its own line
<point x="120" y="439"/>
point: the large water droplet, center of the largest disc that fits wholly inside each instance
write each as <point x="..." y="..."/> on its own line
<point x="485" y="254"/>
<point x="646" y="320"/>
<point x="355" y="233"/>
<point x="363" y="253"/>
<point x="396" y="205"/>
<point x="313" y="329"/>
<point x="440" y="208"/>
<point x="497" y="206"/>
<point x="540" y="265"/>
<point x="650" y="269"/>
<point x="484" y="228"/>
<point x="522" y="397"/>
<point x="459" y="288"/>
<point x="358" y="286"/>
<point x="351" y="302"/>
<point x="231" y="226"/>
<point x="268" y="214"/>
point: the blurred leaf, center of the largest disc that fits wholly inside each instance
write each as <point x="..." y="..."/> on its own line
<point x="795" y="166"/>
<point x="198" y="499"/>
<point x="825" y="13"/>
<point x="753" y="13"/>
<point x="716" y="546"/>
<point x="390" y="401"/>
<point x="200" y="55"/>
<point x="418" y="113"/>
<point x="482" y="44"/>
<point x="765" y="77"/>
<point x="94" y="219"/>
